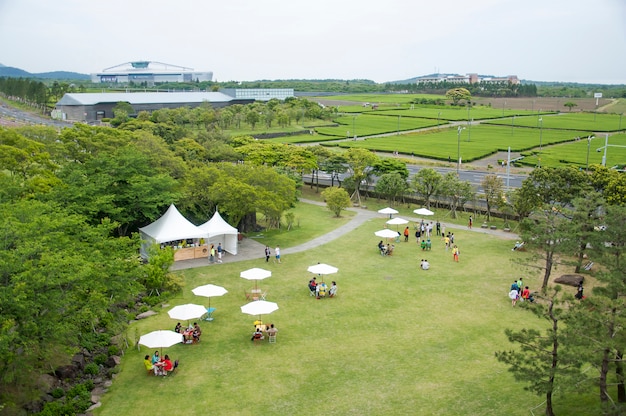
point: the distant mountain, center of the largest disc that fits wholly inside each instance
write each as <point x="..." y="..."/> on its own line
<point x="11" y="72"/>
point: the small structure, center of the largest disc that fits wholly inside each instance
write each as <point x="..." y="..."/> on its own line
<point x="219" y="231"/>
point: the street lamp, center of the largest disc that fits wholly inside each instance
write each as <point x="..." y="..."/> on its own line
<point x="458" y="149"/>
<point x="588" y="144"/>
<point x="540" y="137"/>
<point x="606" y="146"/>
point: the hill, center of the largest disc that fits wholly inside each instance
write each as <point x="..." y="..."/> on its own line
<point x="9" y="71"/>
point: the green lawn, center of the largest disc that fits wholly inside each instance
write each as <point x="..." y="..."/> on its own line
<point x="570" y="121"/>
<point x="379" y="98"/>
<point x="396" y="339"/>
<point x="483" y="141"/>
<point x="454" y="113"/>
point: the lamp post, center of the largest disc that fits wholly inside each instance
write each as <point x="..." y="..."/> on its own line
<point x="458" y="149"/>
<point x="605" y="147"/>
<point x="588" y="144"/>
<point x="540" y="137"/>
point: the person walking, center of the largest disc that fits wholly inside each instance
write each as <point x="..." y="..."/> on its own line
<point x="406" y="234"/>
<point x="469" y="224"/>
<point x="455" y="253"/>
<point x="212" y="254"/>
<point x="438" y="225"/>
<point x="277" y="253"/>
<point x="220" y="251"/>
<point x="268" y="253"/>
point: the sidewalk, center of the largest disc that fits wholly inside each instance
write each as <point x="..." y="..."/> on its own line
<point x="253" y="248"/>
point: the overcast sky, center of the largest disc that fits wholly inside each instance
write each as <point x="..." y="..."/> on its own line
<point x="385" y="40"/>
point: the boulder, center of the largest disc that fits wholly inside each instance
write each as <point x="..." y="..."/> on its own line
<point x="113" y="361"/>
<point x="146" y="314"/>
<point x="570" y="279"/>
<point x="67" y="372"/>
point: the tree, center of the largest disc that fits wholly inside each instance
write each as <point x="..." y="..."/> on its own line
<point x="493" y="187"/>
<point x="390" y="165"/>
<point x="392" y="185"/>
<point x="570" y="104"/>
<point x="541" y="359"/>
<point x="360" y="163"/>
<point x="427" y="182"/>
<point x="337" y="199"/>
<point x="458" y="94"/>
<point x="456" y="191"/>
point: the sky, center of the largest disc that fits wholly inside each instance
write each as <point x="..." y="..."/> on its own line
<point x="580" y="41"/>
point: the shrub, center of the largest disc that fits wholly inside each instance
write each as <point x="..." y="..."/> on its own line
<point x="57" y="393"/>
<point x="100" y="359"/>
<point x="92" y="368"/>
<point x="113" y="350"/>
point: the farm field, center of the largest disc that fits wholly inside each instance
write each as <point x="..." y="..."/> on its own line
<point x="367" y="125"/>
<point x="476" y="142"/>
<point x="598" y="122"/>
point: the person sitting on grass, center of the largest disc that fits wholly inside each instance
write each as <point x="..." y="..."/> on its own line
<point x="333" y="289"/>
<point x="257" y="334"/>
<point x="425" y="265"/>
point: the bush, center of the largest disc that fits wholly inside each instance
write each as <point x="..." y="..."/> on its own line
<point x="100" y="359"/>
<point x="57" y="393"/>
<point x="113" y="350"/>
<point x="92" y="368"/>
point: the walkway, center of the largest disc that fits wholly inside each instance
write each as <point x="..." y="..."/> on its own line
<point x="251" y="248"/>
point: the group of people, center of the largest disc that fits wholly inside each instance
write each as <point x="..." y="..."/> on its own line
<point x="268" y="254"/>
<point x="321" y="289"/>
<point x="216" y="251"/>
<point x="385" y="250"/>
<point x="424" y="230"/>
<point x="424" y="264"/>
<point x="160" y="366"/>
<point x="520" y="292"/>
<point x="258" y="333"/>
<point x="190" y="334"/>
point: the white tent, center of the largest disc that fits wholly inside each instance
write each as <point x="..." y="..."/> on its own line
<point x="219" y="231"/>
<point x="171" y="226"/>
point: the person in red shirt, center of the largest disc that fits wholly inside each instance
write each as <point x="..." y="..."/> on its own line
<point x="168" y="365"/>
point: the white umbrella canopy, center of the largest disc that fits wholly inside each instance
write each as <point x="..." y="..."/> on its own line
<point x="397" y="221"/>
<point x="209" y="291"/>
<point x="255" y="274"/>
<point x="423" y="211"/>
<point x="259" y="307"/>
<point x="386" y="233"/>
<point x="187" y="312"/>
<point x="161" y="339"/>
<point x="322" y="268"/>
<point x="388" y="210"/>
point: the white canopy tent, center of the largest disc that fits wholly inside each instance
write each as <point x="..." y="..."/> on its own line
<point x="171" y="226"/>
<point x="219" y="231"/>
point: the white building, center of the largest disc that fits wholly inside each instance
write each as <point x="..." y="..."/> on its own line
<point x="150" y="73"/>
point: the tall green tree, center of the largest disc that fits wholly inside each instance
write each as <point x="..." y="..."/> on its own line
<point x="427" y="183"/>
<point x="337" y="199"/>
<point x="457" y="192"/>
<point x="360" y="162"/>
<point x="493" y="187"/>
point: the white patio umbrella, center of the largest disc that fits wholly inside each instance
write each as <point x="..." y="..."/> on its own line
<point x="209" y="291"/>
<point x="386" y="233"/>
<point x="397" y="221"/>
<point x="423" y="211"/>
<point x="255" y="274"/>
<point x="161" y="339"/>
<point x="187" y="312"/>
<point x="388" y="210"/>
<point x="322" y="269"/>
<point x="259" y="307"/>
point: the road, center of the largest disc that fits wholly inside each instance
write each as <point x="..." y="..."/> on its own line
<point x="474" y="177"/>
<point x="23" y="117"/>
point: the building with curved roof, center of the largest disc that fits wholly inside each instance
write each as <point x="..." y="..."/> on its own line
<point x="149" y="73"/>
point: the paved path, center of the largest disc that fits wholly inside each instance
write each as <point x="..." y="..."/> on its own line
<point x="252" y="248"/>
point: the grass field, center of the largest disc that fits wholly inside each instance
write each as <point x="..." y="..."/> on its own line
<point x="396" y="340"/>
<point x="575" y="153"/>
<point x="367" y="125"/>
<point x="454" y="113"/>
<point x="483" y="140"/>
<point x="569" y="121"/>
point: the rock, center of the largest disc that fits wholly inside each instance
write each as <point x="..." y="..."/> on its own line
<point x="570" y="279"/>
<point x="493" y="227"/>
<point x="113" y="361"/>
<point x="67" y="372"/>
<point x="47" y="382"/>
<point x="484" y="226"/>
<point x="95" y="406"/>
<point x="146" y="314"/>
<point x="79" y="361"/>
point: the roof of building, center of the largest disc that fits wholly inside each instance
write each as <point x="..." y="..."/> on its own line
<point x="143" y="98"/>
